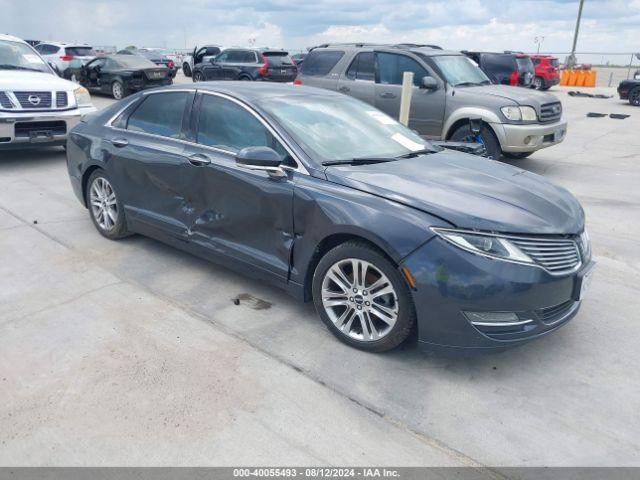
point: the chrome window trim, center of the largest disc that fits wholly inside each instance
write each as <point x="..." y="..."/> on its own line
<point x="514" y="237"/>
<point x="299" y="168"/>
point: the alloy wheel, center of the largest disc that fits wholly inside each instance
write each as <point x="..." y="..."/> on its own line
<point x="117" y="91"/>
<point x="634" y="97"/>
<point x="359" y="299"/>
<point x="103" y="204"/>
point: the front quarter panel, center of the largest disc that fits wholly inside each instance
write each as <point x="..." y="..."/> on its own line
<point x="323" y="209"/>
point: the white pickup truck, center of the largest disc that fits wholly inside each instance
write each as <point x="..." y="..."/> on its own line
<point x="37" y="108"/>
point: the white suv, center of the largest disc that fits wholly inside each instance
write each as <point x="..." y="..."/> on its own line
<point x="36" y="106"/>
<point x="60" y="55"/>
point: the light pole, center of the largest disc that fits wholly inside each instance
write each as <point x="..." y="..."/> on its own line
<point x="571" y="61"/>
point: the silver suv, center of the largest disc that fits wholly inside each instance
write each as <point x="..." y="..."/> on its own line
<point x="449" y="91"/>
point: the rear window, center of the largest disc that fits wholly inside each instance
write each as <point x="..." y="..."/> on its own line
<point x="134" y="62"/>
<point x="498" y="62"/>
<point x="320" y="62"/>
<point x="278" y="59"/>
<point x="554" y="62"/>
<point x="80" y="51"/>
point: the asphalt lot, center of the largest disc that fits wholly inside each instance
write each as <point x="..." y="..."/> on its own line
<point x="132" y="353"/>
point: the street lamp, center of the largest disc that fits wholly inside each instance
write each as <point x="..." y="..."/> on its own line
<point x="571" y="60"/>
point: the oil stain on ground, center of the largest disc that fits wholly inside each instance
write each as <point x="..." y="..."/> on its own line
<point x="252" y="302"/>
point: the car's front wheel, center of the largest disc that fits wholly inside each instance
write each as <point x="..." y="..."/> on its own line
<point x="198" y="77"/>
<point x="186" y="70"/>
<point x="485" y="137"/>
<point x="362" y="298"/>
<point x="105" y="207"/>
<point x="634" y="97"/>
<point x="117" y="90"/>
<point x="516" y="155"/>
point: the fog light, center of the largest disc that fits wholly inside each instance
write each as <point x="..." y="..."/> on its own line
<point x="495" y="319"/>
<point x="527" y="140"/>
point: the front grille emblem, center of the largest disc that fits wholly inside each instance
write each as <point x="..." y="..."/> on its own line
<point x="34" y="100"/>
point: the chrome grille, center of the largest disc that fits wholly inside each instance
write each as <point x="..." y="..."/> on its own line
<point x="557" y="255"/>
<point x="34" y="100"/>
<point x="61" y="99"/>
<point x="550" y="112"/>
<point x="4" y="101"/>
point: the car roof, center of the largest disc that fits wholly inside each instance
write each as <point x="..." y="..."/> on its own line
<point x="63" y="44"/>
<point x="426" y="50"/>
<point x="251" y="91"/>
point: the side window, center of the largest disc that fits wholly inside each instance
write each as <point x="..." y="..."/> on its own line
<point x="391" y="67"/>
<point x="223" y="57"/>
<point x="109" y="64"/>
<point x="320" y="62"/>
<point x="226" y="125"/>
<point x="248" y="57"/>
<point x="40" y="48"/>
<point x="212" y="51"/>
<point x="160" y="114"/>
<point x="235" y="56"/>
<point x="362" y="67"/>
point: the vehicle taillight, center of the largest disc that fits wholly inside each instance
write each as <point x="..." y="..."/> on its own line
<point x="171" y="64"/>
<point x="264" y="69"/>
<point x="297" y="81"/>
<point x="66" y="58"/>
<point x="513" y="78"/>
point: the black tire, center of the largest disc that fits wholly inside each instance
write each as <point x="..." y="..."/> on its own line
<point x="118" y="90"/>
<point x="634" y="97"/>
<point x="198" y="76"/>
<point x="119" y="229"/>
<point x="516" y="155"/>
<point x="406" y="315"/>
<point x="486" y="136"/>
<point x="244" y="78"/>
<point x="186" y="70"/>
<point x="537" y="83"/>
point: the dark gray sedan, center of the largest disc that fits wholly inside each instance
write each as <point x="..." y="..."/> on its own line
<point x="336" y="202"/>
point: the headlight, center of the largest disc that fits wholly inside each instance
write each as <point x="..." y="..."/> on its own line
<point x="527" y="114"/>
<point x="82" y="97"/>
<point x="484" y="244"/>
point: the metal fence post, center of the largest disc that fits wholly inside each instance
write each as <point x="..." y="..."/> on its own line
<point x="405" y="97"/>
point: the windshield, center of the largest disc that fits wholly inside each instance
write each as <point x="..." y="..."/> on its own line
<point x="459" y="70"/>
<point x="19" y="56"/>
<point x="332" y="128"/>
<point x="134" y="62"/>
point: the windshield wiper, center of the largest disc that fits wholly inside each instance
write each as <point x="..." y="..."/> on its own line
<point x="359" y="161"/>
<point x="424" y="151"/>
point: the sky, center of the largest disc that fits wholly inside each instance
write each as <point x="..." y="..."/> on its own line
<point x="607" y="26"/>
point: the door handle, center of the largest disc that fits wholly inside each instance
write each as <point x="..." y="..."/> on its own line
<point x="120" y="142"/>
<point x="199" y="159"/>
<point x="388" y="95"/>
<point x="344" y="89"/>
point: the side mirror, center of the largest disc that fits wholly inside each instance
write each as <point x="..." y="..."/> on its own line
<point x="429" y="83"/>
<point x="260" y="158"/>
<point x="212" y="60"/>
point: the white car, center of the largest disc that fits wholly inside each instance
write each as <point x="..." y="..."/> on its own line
<point x="36" y="106"/>
<point x="60" y="55"/>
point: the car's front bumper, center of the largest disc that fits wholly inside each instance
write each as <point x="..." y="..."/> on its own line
<point x="450" y="281"/>
<point x="32" y="129"/>
<point x="530" y="137"/>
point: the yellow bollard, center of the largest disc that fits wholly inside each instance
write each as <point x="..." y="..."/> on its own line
<point x="582" y="75"/>
<point x="573" y="77"/>
<point x="590" y="81"/>
<point x="564" y="78"/>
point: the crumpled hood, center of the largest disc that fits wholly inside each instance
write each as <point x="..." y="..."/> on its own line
<point x="23" y="80"/>
<point x="469" y="192"/>
<point x="519" y="95"/>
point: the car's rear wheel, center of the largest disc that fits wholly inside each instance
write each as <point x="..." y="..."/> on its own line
<point x="362" y="298"/>
<point x="516" y="155"/>
<point x="538" y="83"/>
<point x="186" y="69"/>
<point x="245" y="78"/>
<point x="634" y="97"/>
<point x="198" y="77"/>
<point x="117" y="90"/>
<point x="105" y="207"/>
<point x="486" y="136"/>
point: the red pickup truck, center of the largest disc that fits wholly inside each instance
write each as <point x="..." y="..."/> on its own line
<point x="546" y="72"/>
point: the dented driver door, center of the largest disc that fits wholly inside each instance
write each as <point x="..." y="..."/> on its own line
<point x="245" y="215"/>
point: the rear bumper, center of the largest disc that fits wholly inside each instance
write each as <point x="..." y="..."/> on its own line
<point x="550" y="82"/>
<point x="450" y="281"/>
<point x="34" y="129"/>
<point x="529" y="138"/>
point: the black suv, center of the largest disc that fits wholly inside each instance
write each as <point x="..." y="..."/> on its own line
<point x="248" y="64"/>
<point x="508" y="68"/>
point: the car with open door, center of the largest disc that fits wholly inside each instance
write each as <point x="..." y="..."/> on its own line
<point x="121" y="75"/>
<point x="336" y="202"/>
<point x="199" y="55"/>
